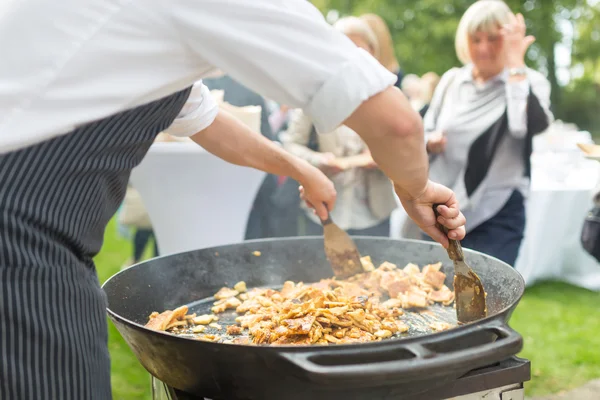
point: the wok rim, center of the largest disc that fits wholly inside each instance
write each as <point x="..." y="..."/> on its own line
<point x="295" y="348"/>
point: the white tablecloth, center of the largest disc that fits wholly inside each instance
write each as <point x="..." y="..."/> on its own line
<point x="559" y="200"/>
<point x="193" y="198"/>
<point x="556" y="209"/>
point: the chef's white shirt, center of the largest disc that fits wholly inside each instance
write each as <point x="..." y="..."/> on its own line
<point x="66" y="63"/>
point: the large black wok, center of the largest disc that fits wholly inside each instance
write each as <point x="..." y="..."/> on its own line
<point x="389" y="369"/>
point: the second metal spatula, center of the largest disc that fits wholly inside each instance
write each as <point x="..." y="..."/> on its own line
<point x="340" y="250"/>
<point x="468" y="289"/>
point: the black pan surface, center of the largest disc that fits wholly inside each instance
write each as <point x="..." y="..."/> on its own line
<point x="393" y="368"/>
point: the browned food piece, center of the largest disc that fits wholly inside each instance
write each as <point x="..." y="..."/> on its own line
<point x="370" y="281"/>
<point x="261" y="335"/>
<point x="323" y="284"/>
<point x="162" y="321"/>
<point x="386" y="277"/>
<point x="176" y="324"/>
<point x="398" y="286"/>
<point x="225" y="304"/>
<point x="434" y="278"/>
<point x="234" y="330"/>
<point x="444" y="296"/>
<point x="203" y="319"/>
<point x="412" y="269"/>
<point x="300" y="326"/>
<point x="225" y="293"/>
<point x="393" y="325"/>
<point x="350" y="289"/>
<point x="251" y="305"/>
<point x="292" y="340"/>
<point x="357" y="336"/>
<point x="367" y="264"/>
<point x="440" y="326"/>
<point x="291" y="291"/>
<point x="209" y="338"/>
<point x="249" y="320"/>
<point x="240" y="287"/>
<point x="242" y="340"/>
<point x="414" y="300"/>
<point x="180" y="312"/>
<point x="402" y="327"/>
<point x="387" y="266"/>
<point x="430" y="267"/>
<point x="383" y="334"/>
<point x="198" y="329"/>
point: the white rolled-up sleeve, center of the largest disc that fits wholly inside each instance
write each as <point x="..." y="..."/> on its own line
<point x="516" y="107"/>
<point x="284" y="50"/>
<point x="198" y="112"/>
<point x="517" y="94"/>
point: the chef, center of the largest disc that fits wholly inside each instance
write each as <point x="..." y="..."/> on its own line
<point x="85" y="87"/>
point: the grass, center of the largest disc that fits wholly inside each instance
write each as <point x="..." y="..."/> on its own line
<point x="559" y="323"/>
<point x="560" y="326"/>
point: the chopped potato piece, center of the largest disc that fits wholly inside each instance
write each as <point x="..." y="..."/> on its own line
<point x="240" y="287"/>
<point x="203" y="319"/>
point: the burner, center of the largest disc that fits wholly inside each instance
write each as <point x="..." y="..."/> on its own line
<point x="502" y="381"/>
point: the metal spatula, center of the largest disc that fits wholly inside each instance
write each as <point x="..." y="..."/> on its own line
<point x="468" y="289"/>
<point x="340" y="250"/>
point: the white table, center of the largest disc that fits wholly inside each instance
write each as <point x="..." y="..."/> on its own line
<point x="193" y="198"/>
<point x="551" y="249"/>
<point x="555" y="212"/>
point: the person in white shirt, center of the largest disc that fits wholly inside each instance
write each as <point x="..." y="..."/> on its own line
<point x="85" y="87"/>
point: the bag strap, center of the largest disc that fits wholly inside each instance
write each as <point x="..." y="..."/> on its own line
<point x="313" y="139"/>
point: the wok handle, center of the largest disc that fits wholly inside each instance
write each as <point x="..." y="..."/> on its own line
<point x="410" y="361"/>
<point x="455" y="251"/>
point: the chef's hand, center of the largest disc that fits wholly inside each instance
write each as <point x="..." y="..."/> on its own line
<point x="318" y="192"/>
<point x="437" y="143"/>
<point x="420" y="210"/>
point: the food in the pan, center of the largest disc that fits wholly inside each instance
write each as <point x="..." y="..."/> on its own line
<point x="363" y="308"/>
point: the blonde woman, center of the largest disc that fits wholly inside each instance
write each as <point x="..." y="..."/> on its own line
<point x="387" y="55"/>
<point x="480" y="124"/>
<point x="365" y="197"/>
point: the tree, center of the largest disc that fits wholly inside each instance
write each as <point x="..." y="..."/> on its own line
<point x="424" y="31"/>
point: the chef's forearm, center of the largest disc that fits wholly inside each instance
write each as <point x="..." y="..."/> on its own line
<point x="394" y="133"/>
<point x="234" y="142"/>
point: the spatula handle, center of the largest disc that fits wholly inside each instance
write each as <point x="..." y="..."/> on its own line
<point x="454" y="249"/>
<point x="327" y="220"/>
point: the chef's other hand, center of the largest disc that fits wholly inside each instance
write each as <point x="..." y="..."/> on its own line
<point x="437" y="143"/>
<point x="318" y="192"/>
<point x="420" y="210"/>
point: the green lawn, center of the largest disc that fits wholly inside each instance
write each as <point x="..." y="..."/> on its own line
<point x="560" y="324"/>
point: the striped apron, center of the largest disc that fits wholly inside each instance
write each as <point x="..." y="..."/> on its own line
<point x="56" y="199"/>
